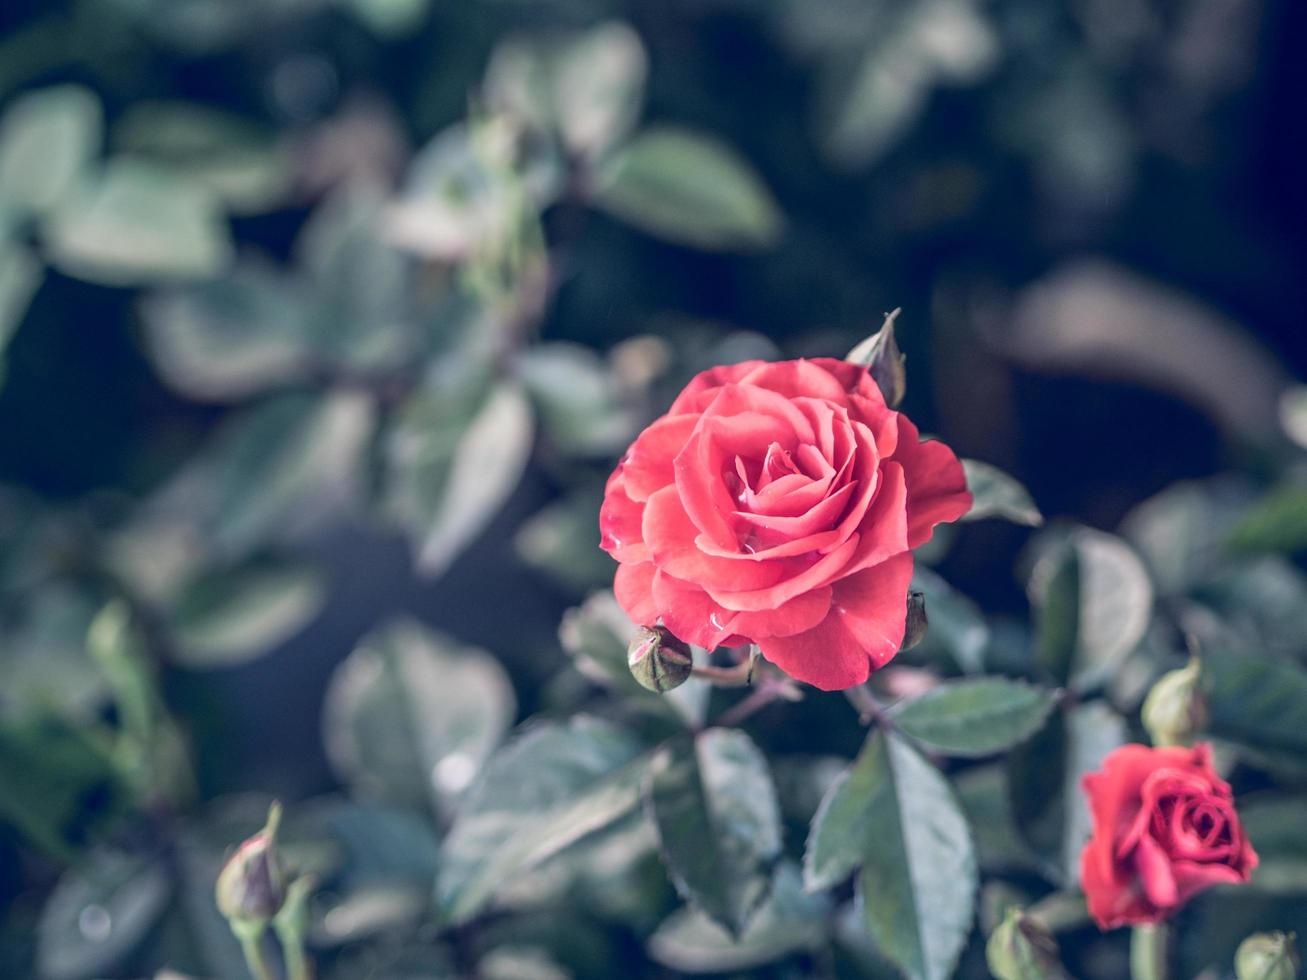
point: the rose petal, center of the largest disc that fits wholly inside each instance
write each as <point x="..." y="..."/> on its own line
<point x="671" y="539"/>
<point x="1154" y="870"/>
<point x="937" y="486"/>
<point x="691" y="614"/>
<point x="692" y="396"/>
<point x="633" y="587"/>
<point x="647" y="465"/>
<point x="619" y="523"/>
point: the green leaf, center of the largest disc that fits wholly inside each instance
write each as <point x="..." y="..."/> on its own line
<point x="230" y="338"/>
<point x="1256" y="700"/>
<point x="598" y="85"/>
<point x="1044" y="776"/>
<point x="561" y="540"/>
<point x="986" y="800"/>
<point x="1093" y="602"/>
<point x="20" y="277"/>
<point x="896" y="816"/>
<point x="547" y="789"/>
<point x="958" y="630"/>
<point x="689" y="188"/>
<point x="138" y="224"/>
<point x="788" y="921"/>
<point x="718" y="822"/>
<point x="271" y="462"/>
<point x="1182" y="532"/>
<point x="880" y="354"/>
<point x="234" y="159"/>
<point x="975" y="717"/>
<point x="577" y="399"/>
<point x="1276" y="523"/>
<point x="1273" y="824"/>
<point x="998" y="495"/>
<point x="99" y="913"/>
<point x="232" y="616"/>
<point x="389" y="18"/>
<point x="411" y="718"/>
<point x="47" y="139"/>
<point x="452" y="476"/>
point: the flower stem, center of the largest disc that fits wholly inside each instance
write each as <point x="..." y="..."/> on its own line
<point x="769" y="690"/>
<point x="1148" y="944"/>
<point x="738" y="676"/>
<point x="255" y="957"/>
<point x="867" y="706"/>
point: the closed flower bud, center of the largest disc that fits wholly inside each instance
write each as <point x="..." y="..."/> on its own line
<point x="1175" y="710"/>
<point x="881" y="355"/>
<point x="914" y="631"/>
<point x="1267" y="956"/>
<point x="252" y="885"/>
<point x="1023" y="949"/>
<point x="658" y="660"/>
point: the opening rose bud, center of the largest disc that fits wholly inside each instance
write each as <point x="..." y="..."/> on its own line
<point x="777" y="504"/>
<point x="252" y="884"/>
<point x="1175" y="709"/>
<point x="1164" y="829"/>
<point x="1267" y="956"/>
<point x="658" y="660"/>
<point x="1023" y="949"/>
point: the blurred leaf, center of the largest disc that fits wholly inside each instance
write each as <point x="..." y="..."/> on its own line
<point x="137" y="224"/>
<point x="718" y="822"/>
<point x="974" y="717"/>
<point x="47" y="139"/>
<point x="1093" y="600"/>
<point x="562" y="541"/>
<point x="508" y="963"/>
<point x="44" y="666"/>
<point x="598" y="87"/>
<point x="1256" y="700"/>
<point x="1044" y="777"/>
<point x="548" y="788"/>
<point x="893" y="814"/>
<point x="99" y="913"/>
<point x="20" y="277"/>
<point x="957" y="629"/>
<point x="1293" y="414"/>
<point x="229" y="338"/>
<point x="1276" y="523"/>
<point x="1181" y="533"/>
<point x="411" y="718"/>
<point x="455" y="469"/>
<point x="231" y="616"/>
<point x="689" y="188"/>
<point x="276" y="458"/>
<point x="577" y="400"/>
<point x="1274" y="825"/>
<point x="232" y="158"/>
<point x="998" y="495"/>
<point x="788" y="921"/>
<point x="986" y="800"/>
<point x="389" y="18"/>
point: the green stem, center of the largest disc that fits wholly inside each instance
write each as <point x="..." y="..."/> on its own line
<point x="737" y="676"/>
<point x="1148" y="952"/>
<point x="255" y="958"/>
<point x="297" y="963"/>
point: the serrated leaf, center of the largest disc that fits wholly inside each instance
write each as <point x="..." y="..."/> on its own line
<point x="977" y="717"/>
<point x="687" y="187"/>
<point x="957" y="631"/>
<point x="897" y="814"/>
<point x="47" y="138"/>
<point x="137" y="224"/>
<point x="411" y="718"/>
<point x="788" y="921"/>
<point x="98" y="914"/>
<point x="1093" y="601"/>
<point x="232" y="616"/>
<point x="1276" y="523"/>
<point x="718" y="822"/>
<point x="545" y="790"/>
<point x="1044" y="776"/>
<point x="996" y="494"/>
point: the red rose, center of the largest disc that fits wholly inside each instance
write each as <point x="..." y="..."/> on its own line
<point x="1164" y="829"/>
<point x="777" y="504"/>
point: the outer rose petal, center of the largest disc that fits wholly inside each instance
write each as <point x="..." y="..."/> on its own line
<point x="691" y="614"/>
<point x="619" y="524"/>
<point x="937" y="486"/>
<point x="647" y="466"/>
<point x="633" y="587"/>
<point x="691" y="396"/>
<point x="862" y="630"/>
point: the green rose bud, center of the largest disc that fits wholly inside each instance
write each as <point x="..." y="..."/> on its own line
<point x="1023" y="949"/>
<point x="658" y="660"/>
<point x="252" y="885"/>
<point x="1267" y="956"/>
<point x="1175" y="710"/>
<point x="915" y="629"/>
<point x="881" y="355"/>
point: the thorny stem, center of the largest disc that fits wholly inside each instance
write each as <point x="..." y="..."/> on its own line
<point x="868" y="708"/>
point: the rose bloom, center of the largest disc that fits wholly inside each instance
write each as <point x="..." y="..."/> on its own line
<point x="777" y="504"/>
<point x="1165" y="828"/>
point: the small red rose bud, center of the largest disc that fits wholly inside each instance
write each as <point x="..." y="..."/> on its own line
<point x="915" y="629"/>
<point x="252" y="884"/>
<point x="1267" y="956"/>
<point x="1023" y="949"/>
<point x="658" y="660"/>
<point x="1175" y="710"/>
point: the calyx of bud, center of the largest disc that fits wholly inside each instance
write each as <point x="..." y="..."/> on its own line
<point x="914" y="630"/>
<point x="1175" y="709"/>
<point x="658" y="660"/>
<point x="880" y="354"/>
<point x="1267" y="956"/>
<point x="1021" y="948"/>
<point x="252" y="884"/>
